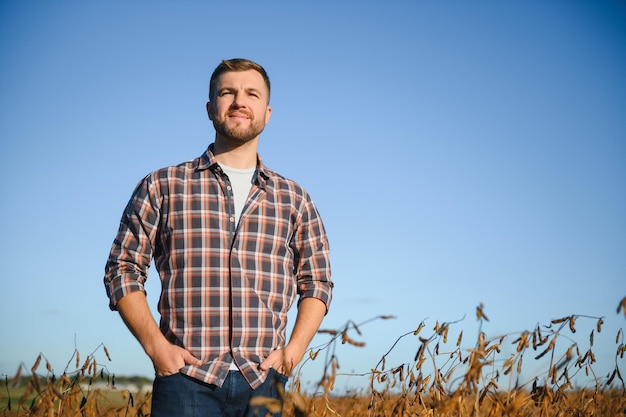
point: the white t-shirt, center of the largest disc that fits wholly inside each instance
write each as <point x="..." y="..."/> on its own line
<point x="241" y="180"/>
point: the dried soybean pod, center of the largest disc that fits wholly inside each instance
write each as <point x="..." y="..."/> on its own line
<point x="106" y="352"/>
<point x="572" y="322"/>
<point x="36" y="365"/>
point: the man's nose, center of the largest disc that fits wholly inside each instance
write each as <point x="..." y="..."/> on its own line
<point x="239" y="101"/>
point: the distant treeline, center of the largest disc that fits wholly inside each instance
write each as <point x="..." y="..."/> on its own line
<point x="117" y="380"/>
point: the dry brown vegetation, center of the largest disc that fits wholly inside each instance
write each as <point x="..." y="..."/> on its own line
<point x="484" y="380"/>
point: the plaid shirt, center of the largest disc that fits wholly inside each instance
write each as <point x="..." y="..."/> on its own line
<point x="226" y="288"/>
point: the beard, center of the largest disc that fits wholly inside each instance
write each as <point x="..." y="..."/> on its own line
<point x="237" y="132"/>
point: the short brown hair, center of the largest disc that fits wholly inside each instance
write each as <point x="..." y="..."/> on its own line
<point x="237" y="64"/>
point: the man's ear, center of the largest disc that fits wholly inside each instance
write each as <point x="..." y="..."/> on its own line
<point x="268" y="113"/>
<point x="209" y="110"/>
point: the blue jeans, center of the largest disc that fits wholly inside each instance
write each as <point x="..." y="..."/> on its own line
<point x="178" y="395"/>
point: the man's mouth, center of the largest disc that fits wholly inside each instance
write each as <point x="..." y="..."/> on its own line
<point x="239" y="115"/>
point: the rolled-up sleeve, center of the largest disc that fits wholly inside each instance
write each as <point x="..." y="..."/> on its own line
<point x="313" y="256"/>
<point x="131" y="253"/>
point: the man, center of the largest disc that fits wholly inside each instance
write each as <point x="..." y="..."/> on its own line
<point x="234" y="243"/>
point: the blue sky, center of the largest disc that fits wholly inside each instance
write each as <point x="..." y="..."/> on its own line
<point x="458" y="152"/>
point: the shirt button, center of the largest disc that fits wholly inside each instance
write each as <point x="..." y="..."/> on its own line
<point x="228" y="187"/>
<point x="235" y="350"/>
<point x="232" y="219"/>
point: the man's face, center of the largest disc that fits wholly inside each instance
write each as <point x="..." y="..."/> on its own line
<point x="240" y="109"/>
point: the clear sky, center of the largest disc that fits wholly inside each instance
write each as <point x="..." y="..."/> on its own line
<point x="459" y="152"/>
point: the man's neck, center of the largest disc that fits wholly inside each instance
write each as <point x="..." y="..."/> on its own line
<point x="238" y="156"/>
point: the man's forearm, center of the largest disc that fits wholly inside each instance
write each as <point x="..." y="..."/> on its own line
<point x="310" y="315"/>
<point x="166" y="357"/>
<point x="134" y="310"/>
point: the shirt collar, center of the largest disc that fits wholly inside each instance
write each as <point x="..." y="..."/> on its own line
<point x="208" y="161"/>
